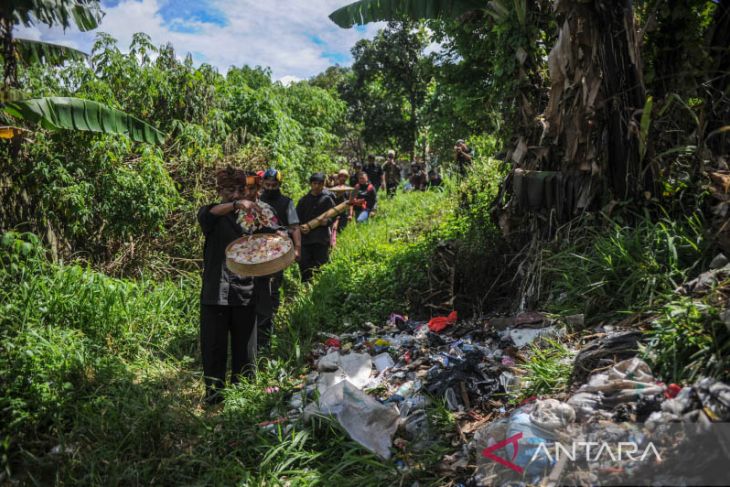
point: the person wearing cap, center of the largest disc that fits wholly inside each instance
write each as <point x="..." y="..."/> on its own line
<point x="364" y="199"/>
<point x="391" y="174"/>
<point x="227" y="300"/>
<point x="374" y="172"/>
<point x="316" y="243"/>
<point x="464" y="157"/>
<point x="267" y="287"/>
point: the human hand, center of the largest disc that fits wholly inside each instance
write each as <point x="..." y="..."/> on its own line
<point x="248" y="206"/>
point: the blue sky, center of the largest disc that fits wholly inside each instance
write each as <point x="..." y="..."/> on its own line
<point x="293" y="37"/>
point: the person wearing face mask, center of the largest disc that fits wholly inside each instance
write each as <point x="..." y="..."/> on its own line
<point x="227" y="300"/>
<point x="316" y="243"/>
<point x="268" y="287"/>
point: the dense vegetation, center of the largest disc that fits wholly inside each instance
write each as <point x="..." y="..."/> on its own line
<point x="100" y="379"/>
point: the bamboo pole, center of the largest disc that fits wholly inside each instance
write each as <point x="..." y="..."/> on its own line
<point x="321" y="219"/>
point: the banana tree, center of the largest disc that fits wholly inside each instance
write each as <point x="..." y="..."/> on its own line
<point x="366" y="11"/>
<point x="56" y="113"/>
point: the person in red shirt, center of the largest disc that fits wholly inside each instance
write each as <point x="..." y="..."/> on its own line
<point x="363" y="199"/>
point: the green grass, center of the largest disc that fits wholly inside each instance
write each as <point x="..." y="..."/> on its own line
<point x="547" y="369"/>
<point x="688" y="340"/>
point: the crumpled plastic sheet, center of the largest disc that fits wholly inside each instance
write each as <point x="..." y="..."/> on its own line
<point x="366" y="420"/>
<point x="439" y="323"/>
<point x="524" y="336"/>
<point x="551" y="415"/>
<point x="628" y="380"/>
<point x="335" y="368"/>
<point x="605" y="351"/>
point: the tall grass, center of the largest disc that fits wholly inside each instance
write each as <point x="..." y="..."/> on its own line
<point x="618" y="268"/>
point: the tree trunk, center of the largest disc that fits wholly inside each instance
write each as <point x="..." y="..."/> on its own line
<point x="718" y="98"/>
<point x="589" y="149"/>
<point x="10" y="74"/>
<point x="414" y="127"/>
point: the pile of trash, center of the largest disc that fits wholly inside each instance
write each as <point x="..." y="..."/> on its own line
<point x="378" y="384"/>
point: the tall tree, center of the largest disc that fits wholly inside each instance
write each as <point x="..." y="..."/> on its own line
<point x="389" y="84"/>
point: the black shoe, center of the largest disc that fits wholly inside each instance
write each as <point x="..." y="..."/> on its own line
<point x="213" y="398"/>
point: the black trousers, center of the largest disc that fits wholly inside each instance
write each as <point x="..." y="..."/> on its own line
<point x="267" y="304"/>
<point x="391" y="188"/>
<point x="216" y="324"/>
<point x="313" y="256"/>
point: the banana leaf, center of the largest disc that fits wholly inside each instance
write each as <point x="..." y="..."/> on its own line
<point x="366" y="11"/>
<point x="85" y="14"/>
<point x="37" y="52"/>
<point x="57" y="113"/>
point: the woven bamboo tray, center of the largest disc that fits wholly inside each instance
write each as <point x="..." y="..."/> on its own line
<point x="263" y="268"/>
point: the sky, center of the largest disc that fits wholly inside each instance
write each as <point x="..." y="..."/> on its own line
<point x="295" y="38"/>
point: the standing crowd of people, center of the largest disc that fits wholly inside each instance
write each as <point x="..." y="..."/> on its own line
<point x="241" y="309"/>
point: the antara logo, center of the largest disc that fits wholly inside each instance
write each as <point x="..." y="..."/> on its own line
<point x="513" y="440"/>
<point x="580" y="450"/>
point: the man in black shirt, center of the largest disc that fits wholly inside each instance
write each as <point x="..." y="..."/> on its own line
<point x="374" y="172"/>
<point x="316" y="243"/>
<point x="227" y="304"/>
<point x="267" y="287"/>
<point x="356" y="169"/>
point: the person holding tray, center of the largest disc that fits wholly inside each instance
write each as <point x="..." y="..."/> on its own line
<point x="267" y="287"/>
<point x="227" y="300"/>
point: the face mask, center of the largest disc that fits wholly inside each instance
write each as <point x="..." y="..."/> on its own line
<point x="272" y="193"/>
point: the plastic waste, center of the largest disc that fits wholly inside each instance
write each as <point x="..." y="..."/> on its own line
<point x="527" y="456"/>
<point x="368" y="422"/>
<point x="383" y="361"/>
<point x="626" y="381"/>
<point x="439" y="323"/>
<point x="585" y="404"/>
<point x="715" y="398"/>
<point x="525" y="336"/>
<point x="551" y="415"/>
<point x="603" y="352"/>
<point x="332" y="342"/>
<point x="335" y="368"/>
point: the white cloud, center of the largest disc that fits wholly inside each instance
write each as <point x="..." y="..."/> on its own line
<point x="293" y="37"/>
<point x="289" y="79"/>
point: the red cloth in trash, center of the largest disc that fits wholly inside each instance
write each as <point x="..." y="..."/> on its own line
<point x="672" y="391"/>
<point x="440" y="322"/>
<point x="332" y="342"/>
